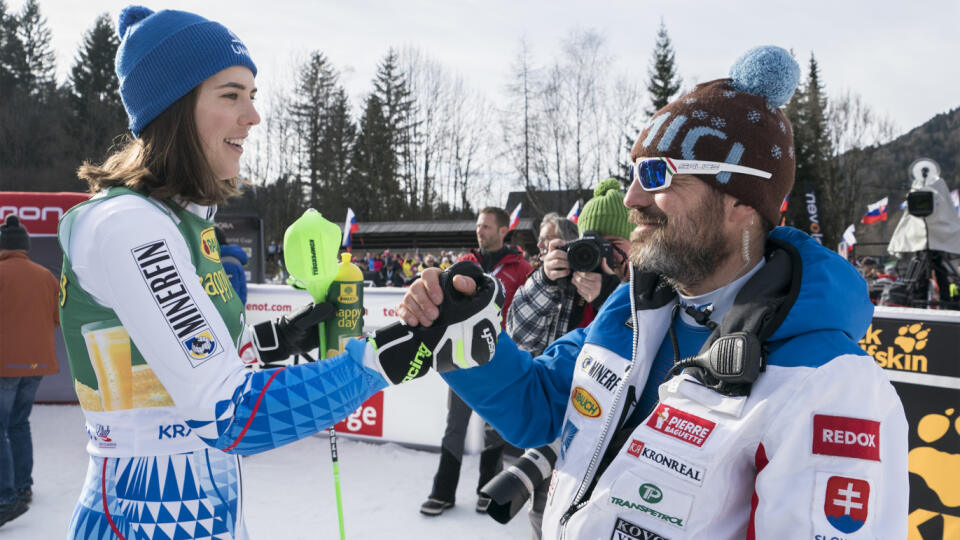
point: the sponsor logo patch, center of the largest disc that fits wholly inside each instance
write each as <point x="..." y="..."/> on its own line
<point x="172" y="431"/>
<point x="600" y="373"/>
<point x="624" y="530"/>
<point x="102" y="437"/>
<point x="846" y="437"/>
<point x="179" y="309"/>
<point x="681" y="425"/>
<point x="585" y="403"/>
<point x="566" y="437"/>
<point x="201" y="345"/>
<point x="209" y="246"/>
<point x="665" y="461"/>
<point x="847" y="503"/>
<point x="658" y="501"/>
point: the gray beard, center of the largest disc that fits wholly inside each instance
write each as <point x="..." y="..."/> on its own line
<point x="685" y="251"/>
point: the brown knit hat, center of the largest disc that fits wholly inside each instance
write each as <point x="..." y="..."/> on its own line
<point x="736" y="120"/>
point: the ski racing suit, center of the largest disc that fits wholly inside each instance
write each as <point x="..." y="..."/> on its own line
<point x="816" y="449"/>
<point x="157" y="344"/>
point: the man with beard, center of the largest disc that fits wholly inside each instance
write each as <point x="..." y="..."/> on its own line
<point x="722" y="393"/>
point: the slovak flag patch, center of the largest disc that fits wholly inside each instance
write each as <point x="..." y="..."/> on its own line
<point x="847" y="503"/>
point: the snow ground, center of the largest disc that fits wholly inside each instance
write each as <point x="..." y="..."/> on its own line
<point x="288" y="492"/>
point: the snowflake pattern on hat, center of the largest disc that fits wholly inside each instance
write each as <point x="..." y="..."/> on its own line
<point x="699" y="115"/>
<point x="718" y="122"/>
<point x="783" y="127"/>
<point x="690" y="100"/>
<point x="729" y="94"/>
<point x="776" y="151"/>
<point x="753" y="116"/>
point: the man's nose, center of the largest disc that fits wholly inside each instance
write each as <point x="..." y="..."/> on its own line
<point x="637" y="197"/>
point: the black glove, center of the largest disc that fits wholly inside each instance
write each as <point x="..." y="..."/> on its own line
<point x="291" y="334"/>
<point x="463" y="336"/>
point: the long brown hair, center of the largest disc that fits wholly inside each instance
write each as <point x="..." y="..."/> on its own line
<point x="166" y="160"/>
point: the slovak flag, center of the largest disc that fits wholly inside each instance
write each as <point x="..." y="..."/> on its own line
<point x="515" y="217"/>
<point x="574" y="213"/>
<point x="349" y="227"/>
<point x="875" y="212"/>
<point x="785" y="204"/>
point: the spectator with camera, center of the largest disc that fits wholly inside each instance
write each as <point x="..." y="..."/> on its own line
<point x="565" y="292"/>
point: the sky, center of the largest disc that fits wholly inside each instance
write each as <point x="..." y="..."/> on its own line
<point x="288" y="492"/>
<point x="900" y="58"/>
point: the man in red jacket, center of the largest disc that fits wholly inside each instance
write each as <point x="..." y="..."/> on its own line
<point x="508" y="265"/>
<point x="27" y="322"/>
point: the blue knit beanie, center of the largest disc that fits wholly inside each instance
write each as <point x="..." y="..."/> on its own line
<point x="164" y="55"/>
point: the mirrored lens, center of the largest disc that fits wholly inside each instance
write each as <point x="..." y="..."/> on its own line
<point x="652" y="173"/>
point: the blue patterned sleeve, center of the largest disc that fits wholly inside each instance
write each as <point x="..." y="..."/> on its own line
<point x="278" y="406"/>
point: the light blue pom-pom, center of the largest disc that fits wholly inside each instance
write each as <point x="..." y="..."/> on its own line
<point x="130" y="16"/>
<point x="767" y="71"/>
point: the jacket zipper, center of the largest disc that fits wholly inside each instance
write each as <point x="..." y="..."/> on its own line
<point x="576" y="504"/>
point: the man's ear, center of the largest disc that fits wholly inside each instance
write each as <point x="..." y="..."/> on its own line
<point x="738" y="213"/>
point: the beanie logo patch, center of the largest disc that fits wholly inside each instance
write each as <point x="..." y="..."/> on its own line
<point x="237" y="45"/>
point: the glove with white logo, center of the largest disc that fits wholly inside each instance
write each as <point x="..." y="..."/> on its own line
<point x="291" y="334"/>
<point x="463" y="336"/>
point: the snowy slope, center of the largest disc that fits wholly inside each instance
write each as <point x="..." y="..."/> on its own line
<point x="288" y="492"/>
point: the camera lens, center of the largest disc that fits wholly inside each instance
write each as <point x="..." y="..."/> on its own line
<point x="509" y="490"/>
<point x="583" y="256"/>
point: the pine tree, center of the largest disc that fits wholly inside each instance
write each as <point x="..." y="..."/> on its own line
<point x="98" y="113"/>
<point x="814" y="154"/>
<point x="312" y="98"/>
<point x="373" y="189"/>
<point x="339" y="137"/>
<point x="13" y="62"/>
<point x="40" y="59"/>
<point x="397" y="107"/>
<point x="664" y="82"/>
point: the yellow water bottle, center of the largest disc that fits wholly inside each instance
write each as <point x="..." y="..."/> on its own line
<point x="346" y="294"/>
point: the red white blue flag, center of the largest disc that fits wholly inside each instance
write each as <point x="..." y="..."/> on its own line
<point x="349" y="227"/>
<point x="515" y="217"/>
<point x="875" y="212"/>
<point x="574" y="213"/>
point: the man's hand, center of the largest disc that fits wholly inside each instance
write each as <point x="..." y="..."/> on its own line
<point x="420" y="305"/>
<point x="555" y="265"/>
<point x="465" y="336"/>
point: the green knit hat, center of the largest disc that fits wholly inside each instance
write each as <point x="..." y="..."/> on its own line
<point x="605" y="212"/>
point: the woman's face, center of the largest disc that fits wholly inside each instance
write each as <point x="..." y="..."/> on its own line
<point x="224" y="116"/>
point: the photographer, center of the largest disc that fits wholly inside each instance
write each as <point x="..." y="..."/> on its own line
<point x="551" y="303"/>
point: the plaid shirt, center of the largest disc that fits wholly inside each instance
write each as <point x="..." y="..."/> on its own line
<point x="540" y="312"/>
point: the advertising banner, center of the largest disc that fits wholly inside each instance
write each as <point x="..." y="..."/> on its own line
<point x="918" y="349"/>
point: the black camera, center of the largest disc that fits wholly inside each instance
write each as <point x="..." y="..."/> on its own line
<point x="920" y="203"/>
<point x="509" y="490"/>
<point x="585" y="253"/>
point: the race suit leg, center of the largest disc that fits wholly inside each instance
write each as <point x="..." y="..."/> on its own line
<point x="190" y="495"/>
